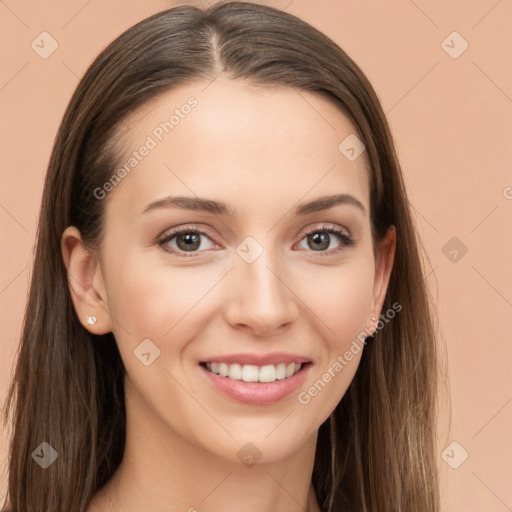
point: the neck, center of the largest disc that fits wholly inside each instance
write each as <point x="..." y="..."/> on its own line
<point x="162" y="471"/>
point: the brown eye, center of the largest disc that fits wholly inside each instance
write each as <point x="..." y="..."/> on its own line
<point x="185" y="240"/>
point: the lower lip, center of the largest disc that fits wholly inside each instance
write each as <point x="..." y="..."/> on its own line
<point x="259" y="393"/>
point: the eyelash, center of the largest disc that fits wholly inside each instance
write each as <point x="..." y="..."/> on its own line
<point x="346" y="240"/>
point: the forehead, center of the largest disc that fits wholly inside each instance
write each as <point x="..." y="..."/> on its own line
<point x="245" y="144"/>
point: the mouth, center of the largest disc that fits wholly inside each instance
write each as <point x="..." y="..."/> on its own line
<point x="255" y="384"/>
<point x="254" y="373"/>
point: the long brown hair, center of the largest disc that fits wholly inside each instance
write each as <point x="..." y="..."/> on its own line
<point x="377" y="450"/>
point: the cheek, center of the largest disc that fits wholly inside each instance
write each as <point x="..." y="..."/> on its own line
<point x="152" y="301"/>
<point x="341" y="298"/>
<point x="158" y="301"/>
<point x="349" y="307"/>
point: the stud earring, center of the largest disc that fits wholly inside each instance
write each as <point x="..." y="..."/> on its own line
<point x="91" y="320"/>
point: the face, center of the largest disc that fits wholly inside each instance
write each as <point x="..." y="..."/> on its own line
<point x="257" y="286"/>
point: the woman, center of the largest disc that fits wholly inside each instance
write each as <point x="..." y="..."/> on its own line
<point x="227" y="308"/>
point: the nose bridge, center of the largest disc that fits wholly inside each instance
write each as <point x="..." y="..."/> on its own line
<point x="261" y="299"/>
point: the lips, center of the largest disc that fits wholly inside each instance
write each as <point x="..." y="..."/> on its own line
<point x="258" y="359"/>
<point x="256" y="378"/>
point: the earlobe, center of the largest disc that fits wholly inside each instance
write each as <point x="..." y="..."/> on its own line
<point x="85" y="282"/>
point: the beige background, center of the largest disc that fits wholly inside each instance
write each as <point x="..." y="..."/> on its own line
<point x="452" y="120"/>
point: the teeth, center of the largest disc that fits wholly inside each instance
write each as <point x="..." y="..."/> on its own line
<point x="223" y="369"/>
<point x="253" y="373"/>
<point x="281" y="371"/>
<point x="235" y="371"/>
<point x="267" y="373"/>
<point x="250" y="373"/>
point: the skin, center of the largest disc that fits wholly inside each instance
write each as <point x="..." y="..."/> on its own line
<point x="262" y="150"/>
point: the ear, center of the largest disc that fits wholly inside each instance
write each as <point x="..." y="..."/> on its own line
<point x="383" y="267"/>
<point x="85" y="282"/>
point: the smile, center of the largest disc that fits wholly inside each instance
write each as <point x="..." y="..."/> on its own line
<point x="254" y="373"/>
<point x="256" y="384"/>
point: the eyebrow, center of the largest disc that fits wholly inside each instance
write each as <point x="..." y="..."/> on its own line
<point x="221" y="208"/>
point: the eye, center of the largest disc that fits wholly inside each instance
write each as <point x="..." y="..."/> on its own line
<point x="187" y="240"/>
<point x="321" y="238"/>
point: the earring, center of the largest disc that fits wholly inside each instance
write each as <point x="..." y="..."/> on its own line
<point x="91" y="320"/>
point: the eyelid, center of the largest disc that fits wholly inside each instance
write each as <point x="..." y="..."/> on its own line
<point x="335" y="230"/>
<point x="340" y="232"/>
<point x="168" y="235"/>
<point x="325" y="227"/>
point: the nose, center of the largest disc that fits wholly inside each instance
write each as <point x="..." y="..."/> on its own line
<point x="261" y="301"/>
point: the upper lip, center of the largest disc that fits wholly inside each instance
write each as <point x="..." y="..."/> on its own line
<point x="258" y="359"/>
